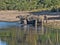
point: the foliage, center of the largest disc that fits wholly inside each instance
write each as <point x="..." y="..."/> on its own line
<point x="27" y="4"/>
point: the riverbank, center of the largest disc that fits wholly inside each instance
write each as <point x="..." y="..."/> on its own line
<point x="53" y="24"/>
<point x="11" y="15"/>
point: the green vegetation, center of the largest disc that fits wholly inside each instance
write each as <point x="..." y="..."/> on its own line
<point x="28" y="4"/>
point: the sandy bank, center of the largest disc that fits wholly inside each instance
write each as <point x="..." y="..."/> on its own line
<point x="10" y="15"/>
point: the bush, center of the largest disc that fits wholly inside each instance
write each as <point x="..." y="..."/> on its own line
<point x="53" y="9"/>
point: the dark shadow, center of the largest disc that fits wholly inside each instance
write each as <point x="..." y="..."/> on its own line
<point x="54" y="18"/>
<point x="45" y="12"/>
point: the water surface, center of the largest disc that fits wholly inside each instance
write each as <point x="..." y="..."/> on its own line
<point x="14" y="33"/>
<point x="3" y="42"/>
<point x="7" y="24"/>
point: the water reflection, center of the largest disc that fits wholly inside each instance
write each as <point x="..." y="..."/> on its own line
<point x="3" y="42"/>
<point x="17" y="34"/>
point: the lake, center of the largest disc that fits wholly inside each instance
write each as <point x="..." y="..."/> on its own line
<point x="14" y="33"/>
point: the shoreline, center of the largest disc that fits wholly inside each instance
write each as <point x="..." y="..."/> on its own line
<point x="8" y="21"/>
<point x="10" y="15"/>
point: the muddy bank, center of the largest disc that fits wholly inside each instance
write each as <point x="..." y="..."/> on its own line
<point x="11" y="15"/>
